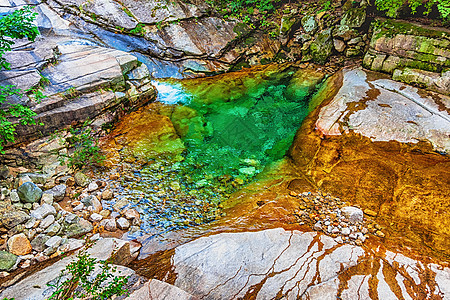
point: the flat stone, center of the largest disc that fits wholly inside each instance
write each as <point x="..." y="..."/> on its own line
<point x="38" y="243"/>
<point x="293" y="263"/>
<point x="78" y="229"/>
<point x="395" y="112"/>
<point x="43" y="211"/>
<point x="58" y="192"/>
<point x="155" y="289"/>
<point x="139" y="73"/>
<point x="47" y="221"/>
<point x="53" y="242"/>
<point x="19" y="244"/>
<point x="29" y="192"/>
<point x="430" y="80"/>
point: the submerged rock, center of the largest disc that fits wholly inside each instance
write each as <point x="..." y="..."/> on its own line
<point x="384" y="146"/>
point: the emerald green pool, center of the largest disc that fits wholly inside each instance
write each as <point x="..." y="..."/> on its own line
<point x="232" y="126"/>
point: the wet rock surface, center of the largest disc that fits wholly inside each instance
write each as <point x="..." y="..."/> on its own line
<point x="358" y="161"/>
<point x="300" y="265"/>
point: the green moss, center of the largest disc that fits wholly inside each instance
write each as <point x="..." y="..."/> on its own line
<point x="241" y="29"/>
<point x="392" y="27"/>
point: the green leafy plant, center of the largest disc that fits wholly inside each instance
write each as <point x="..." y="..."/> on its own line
<point x="86" y="150"/>
<point x="17" y="25"/>
<point x="76" y="281"/>
<point x="138" y="30"/>
<point x="391" y="7"/>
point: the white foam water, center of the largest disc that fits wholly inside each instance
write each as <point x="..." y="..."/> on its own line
<point x="170" y="93"/>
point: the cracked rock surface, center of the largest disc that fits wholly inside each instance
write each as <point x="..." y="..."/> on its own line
<point x="281" y="264"/>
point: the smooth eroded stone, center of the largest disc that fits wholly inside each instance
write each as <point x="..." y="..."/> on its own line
<point x="19" y="244"/>
<point x="29" y="192"/>
<point x="58" y="192"/>
<point x="353" y="214"/>
<point x="43" y="211"/>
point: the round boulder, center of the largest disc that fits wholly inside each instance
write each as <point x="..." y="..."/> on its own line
<point x="29" y="192"/>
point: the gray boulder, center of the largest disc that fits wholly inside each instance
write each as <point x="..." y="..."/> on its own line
<point x="58" y="192"/>
<point x="42" y="211"/>
<point x="29" y="192"/>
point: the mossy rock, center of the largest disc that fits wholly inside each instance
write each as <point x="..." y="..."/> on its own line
<point x="322" y="46"/>
<point x="309" y="24"/>
<point x="354" y="17"/>
<point x="7" y="260"/>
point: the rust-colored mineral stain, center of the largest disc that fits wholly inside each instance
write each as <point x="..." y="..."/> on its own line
<point x="407" y="184"/>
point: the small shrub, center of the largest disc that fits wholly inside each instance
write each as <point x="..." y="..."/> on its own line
<point x="75" y="281"/>
<point x="138" y="30"/>
<point x="390" y="7"/>
<point x="17" y="25"/>
<point x="86" y="150"/>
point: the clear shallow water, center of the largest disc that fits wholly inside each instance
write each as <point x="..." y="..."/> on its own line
<point x="232" y="127"/>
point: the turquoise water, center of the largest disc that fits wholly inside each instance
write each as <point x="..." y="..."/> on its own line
<point x="231" y="133"/>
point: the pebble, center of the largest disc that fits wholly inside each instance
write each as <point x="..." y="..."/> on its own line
<point x="93" y="186"/>
<point x="123" y="223"/>
<point x="96" y="217"/>
<point x="47" y="221"/>
<point x="345" y="231"/>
